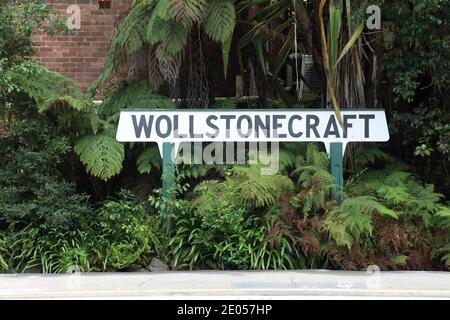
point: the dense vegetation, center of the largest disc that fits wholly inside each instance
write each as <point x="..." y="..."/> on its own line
<point x="71" y="196"/>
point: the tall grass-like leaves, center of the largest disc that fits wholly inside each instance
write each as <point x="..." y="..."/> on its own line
<point x="330" y="46"/>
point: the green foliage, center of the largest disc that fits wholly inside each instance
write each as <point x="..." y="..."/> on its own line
<point x="399" y="191"/>
<point x="131" y="234"/>
<point x="220" y="236"/>
<point x="416" y="67"/>
<point x="187" y="12"/>
<point x="247" y="186"/>
<point x="30" y="187"/>
<point x="50" y="89"/>
<point x="18" y="21"/>
<point x="368" y="156"/>
<point x="422" y="133"/>
<point x="420" y="48"/>
<point x="314" y="180"/>
<point x="134" y="96"/>
<point x="102" y="155"/>
<point x="149" y="160"/>
<point x="220" y="20"/>
<point x="4" y="267"/>
<point x="121" y="235"/>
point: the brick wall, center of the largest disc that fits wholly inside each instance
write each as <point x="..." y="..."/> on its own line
<point x="81" y="56"/>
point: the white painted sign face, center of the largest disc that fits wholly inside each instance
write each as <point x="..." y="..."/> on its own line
<point x="177" y="126"/>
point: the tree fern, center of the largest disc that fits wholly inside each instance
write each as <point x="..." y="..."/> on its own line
<point x="220" y="20"/>
<point x="102" y="155"/>
<point x="162" y="28"/>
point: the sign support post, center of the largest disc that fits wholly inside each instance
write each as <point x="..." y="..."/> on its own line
<point x="168" y="169"/>
<point x="168" y="176"/>
<point x="336" y="169"/>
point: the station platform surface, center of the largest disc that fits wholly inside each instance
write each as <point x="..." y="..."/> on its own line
<point x="198" y="285"/>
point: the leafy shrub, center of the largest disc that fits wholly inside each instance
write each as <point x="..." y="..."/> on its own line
<point x="390" y="219"/>
<point x="228" y="225"/>
<point x="131" y="234"/>
<point x="223" y="238"/>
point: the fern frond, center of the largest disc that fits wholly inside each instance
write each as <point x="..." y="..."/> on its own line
<point x="316" y="158"/>
<point x="68" y="101"/>
<point x="162" y="9"/>
<point x="220" y="20"/>
<point x="50" y="89"/>
<point x="134" y="96"/>
<point x="187" y="12"/>
<point x="257" y="190"/>
<point x="396" y="195"/>
<point x="367" y="204"/>
<point x="368" y="155"/>
<point x="175" y="38"/>
<point x="350" y="223"/>
<point x="149" y="160"/>
<point x="397" y="178"/>
<point x="154" y="27"/>
<point x="102" y="155"/>
<point x="337" y="231"/>
<point x="213" y="186"/>
<point x="195" y="171"/>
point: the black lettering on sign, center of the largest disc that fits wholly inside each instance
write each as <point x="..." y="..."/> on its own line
<point x="210" y="124"/>
<point x="367" y="118"/>
<point x="249" y="126"/>
<point x="227" y="123"/>
<point x="168" y="126"/>
<point x="265" y="126"/>
<point x="347" y="124"/>
<point x="332" y="128"/>
<point x="191" y="129"/>
<point x="291" y="127"/>
<point x="142" y="125"/>
<point x="277" y="125"/>
<point x="312" y="122"/>
<point x="175" y="129"/>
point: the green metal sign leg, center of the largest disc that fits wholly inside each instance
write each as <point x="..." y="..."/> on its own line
<point x="336" y="169"/>
<point x="168" y="169"/>
<point x="168" y="177"/>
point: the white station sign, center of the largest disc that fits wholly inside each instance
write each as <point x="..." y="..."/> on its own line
<point x="177" y="126"/>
